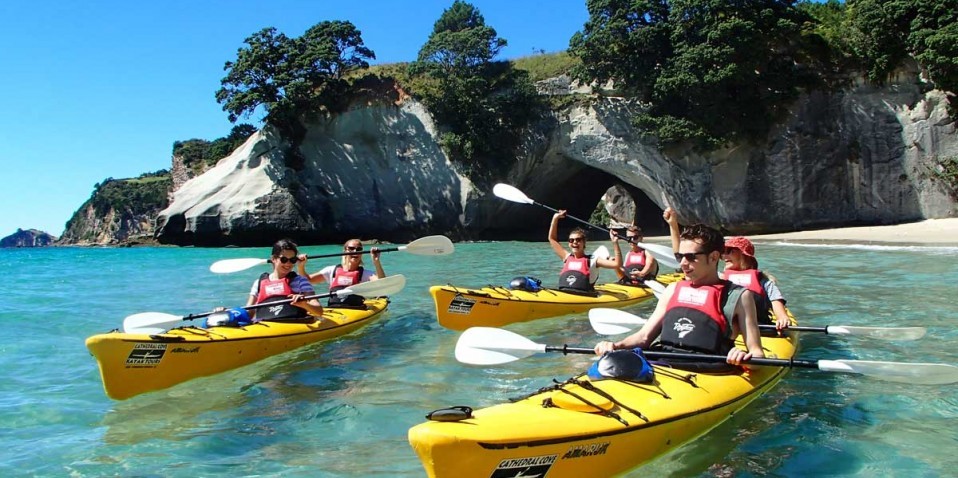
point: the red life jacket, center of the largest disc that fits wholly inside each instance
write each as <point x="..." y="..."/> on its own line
<point x="751" y="279"/>
<point x="272" y="290"/>
<point x="341" y="280"/>
<point x="575" y="273"/>
<point x="634" y="260"/>
<point x="695" y="320"/>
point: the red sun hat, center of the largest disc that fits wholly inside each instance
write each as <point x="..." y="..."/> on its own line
<point x="743" y="245"/>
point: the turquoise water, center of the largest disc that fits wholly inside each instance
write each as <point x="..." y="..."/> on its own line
<point x="342" y="408"/>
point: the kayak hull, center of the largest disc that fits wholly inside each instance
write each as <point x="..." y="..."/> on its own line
<point x="459" y="308"/>
<point x="571" y="438"/>
<point x="132" y="364"/>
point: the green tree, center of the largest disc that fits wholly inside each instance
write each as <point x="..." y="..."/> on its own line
<point x="290" y="77"/>
<point x="713" y="71"/>
<point x="883" y="33"/>
<point x="624" y="40"/>
<point x="482" y="104"/>
<point x="460" y="42"/>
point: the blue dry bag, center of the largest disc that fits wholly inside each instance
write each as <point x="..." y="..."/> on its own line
<point x="623" y="364"/>
<point x="526" y="283"/>
<point x="235" y="317"/>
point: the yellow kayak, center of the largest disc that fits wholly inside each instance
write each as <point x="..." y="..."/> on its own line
<point x="131" y="364"/>
<point x="459" y="308"/>
<point x="593" y="428"/>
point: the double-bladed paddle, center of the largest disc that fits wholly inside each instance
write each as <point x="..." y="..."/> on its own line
<point x="158" y="322"/>
<point x="491" y="346"/>
<point x="663" y="254"/>
<point x="425" y="246"/>
<point x="614" y="322"/>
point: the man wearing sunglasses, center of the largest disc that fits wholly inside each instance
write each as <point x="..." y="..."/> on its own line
<point x="701" y="314"/>
<point x="639" y="265"/>
<point x="282" y="284"/>
<point x="578" y="273"/>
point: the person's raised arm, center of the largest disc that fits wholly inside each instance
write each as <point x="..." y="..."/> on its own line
<point x="613" y="263"/>
<point x="380" y="273"/>
<point x="316" y="278"/>
<point x="554" y="235"/>
<point x="673" y="219"/>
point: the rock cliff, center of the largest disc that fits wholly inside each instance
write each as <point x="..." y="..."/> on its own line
<point x="28" y="238"/>
<point x="862" y="155"/>
<point x="373" y="171"/>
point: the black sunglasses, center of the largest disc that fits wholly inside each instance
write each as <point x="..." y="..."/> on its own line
<point x="291" y="260"/>
<point x="354" y="249"/>
<point x="688" y="256"/>
<point x="576" y="239"/>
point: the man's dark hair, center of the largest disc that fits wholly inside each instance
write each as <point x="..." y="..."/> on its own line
<point x="284" y="245"/>
<point x="710" y="238"/>
<point x="580" y="232"/>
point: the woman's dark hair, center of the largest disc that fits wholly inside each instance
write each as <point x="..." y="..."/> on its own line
<point x="710" y="238"/>
<point x="284" y="245"/>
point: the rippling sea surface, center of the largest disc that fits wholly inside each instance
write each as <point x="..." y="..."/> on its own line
<point x="342" y="408"/>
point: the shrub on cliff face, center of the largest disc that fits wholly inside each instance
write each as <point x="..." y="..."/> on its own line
<point x="483" y="104"/>
<point x="198" y="154"/>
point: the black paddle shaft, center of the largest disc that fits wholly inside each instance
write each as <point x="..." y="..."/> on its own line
<point x="696" y="357"/>
<point x="593" y="226"/>
<point x="340" y="254"/>
<point x="258" y="306"/>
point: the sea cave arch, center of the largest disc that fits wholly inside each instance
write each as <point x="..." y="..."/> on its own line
<point x="580" y="191"/>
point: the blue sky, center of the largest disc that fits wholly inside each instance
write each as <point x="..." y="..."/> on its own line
<point x="98" y="89"/>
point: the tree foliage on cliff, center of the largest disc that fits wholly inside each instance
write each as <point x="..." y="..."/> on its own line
<point x="292" y="77"/>
<point x="712" y="71"/>
<point x="483" y="104"/>
<point x="882" y="33"/>
<point x="197" y="154"/>
<point x="146" y="194"/>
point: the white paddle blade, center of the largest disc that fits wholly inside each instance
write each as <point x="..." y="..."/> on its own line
<point x="613" y="321"/>
<point x="663" y="254"/>
<point x="227" y="266"/>
<point x="881" y="333"/>
<point x="600" y="252"/>
<point x="657" y="288"/>
<point x="429" y="246"/>
<point x="386" y="286"/>
<point x="605" y="328"/>
<point x="911" y="373"/>
<point x="137" y="323"/>
<point x="492" y="346"/>
<point x="510" y="193"/>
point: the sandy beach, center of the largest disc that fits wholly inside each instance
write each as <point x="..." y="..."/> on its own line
<point x="930" y="231"/>
<point x="933" y="232"/>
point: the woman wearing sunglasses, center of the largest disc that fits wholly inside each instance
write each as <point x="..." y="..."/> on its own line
<point x="741" y="267"/>
<point x="282" y="284"/>
<point x="349" y="272"/>
<point x="577" y="274"/>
